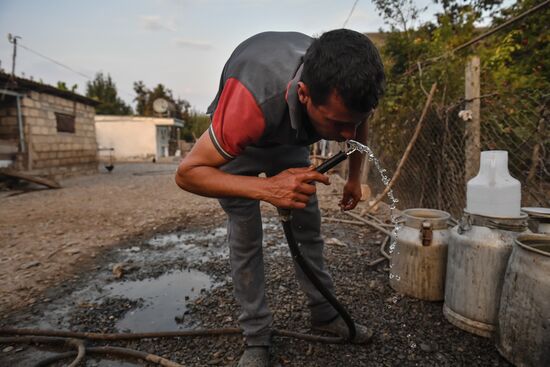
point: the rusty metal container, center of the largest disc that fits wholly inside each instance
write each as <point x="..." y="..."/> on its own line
<point x="479" y="249"/>
<point x="419" y="260"/>
<point x="539" y="219"/>
<point x="523" y="333"/>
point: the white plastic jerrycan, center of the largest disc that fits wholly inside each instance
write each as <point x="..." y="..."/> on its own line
<point x="493" y="192"/>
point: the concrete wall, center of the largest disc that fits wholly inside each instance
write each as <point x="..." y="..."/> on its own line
<point x="58" y="154"/>
<point x="131" y="140"/>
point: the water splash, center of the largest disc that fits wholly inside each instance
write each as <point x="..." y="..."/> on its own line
<point x="393" y="206"/>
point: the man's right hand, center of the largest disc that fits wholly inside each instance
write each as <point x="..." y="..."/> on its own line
<point x="292" y="188"/>
<point x="199" y="173"/>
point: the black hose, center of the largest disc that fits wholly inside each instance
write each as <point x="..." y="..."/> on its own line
<point x="302" y="262"/>
<point x="333" y="161"/>
<point x="286" y="219"/>
<point x="156" y="335"/>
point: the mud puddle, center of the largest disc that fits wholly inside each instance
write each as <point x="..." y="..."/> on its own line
<point x="164" y="298"/>
<point x="140" y="287"/>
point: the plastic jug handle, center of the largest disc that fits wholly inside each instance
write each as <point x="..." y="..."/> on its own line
<point x="493" y="171"/>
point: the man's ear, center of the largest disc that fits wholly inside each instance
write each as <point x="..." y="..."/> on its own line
<point x="303" y="93"/>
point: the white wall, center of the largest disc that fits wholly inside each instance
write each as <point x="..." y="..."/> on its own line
<point x="131" y="140"/>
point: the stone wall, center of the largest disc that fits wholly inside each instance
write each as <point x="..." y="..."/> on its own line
<point x="8" y="119"/>
<point x="53" y="153"/>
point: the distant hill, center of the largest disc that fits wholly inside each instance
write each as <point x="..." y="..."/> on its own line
<point x="377" y="38"/>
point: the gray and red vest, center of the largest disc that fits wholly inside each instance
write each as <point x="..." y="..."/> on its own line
<point x="257" y="102"/>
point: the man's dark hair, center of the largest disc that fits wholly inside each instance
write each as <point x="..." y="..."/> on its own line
<point x="348" y="62"/>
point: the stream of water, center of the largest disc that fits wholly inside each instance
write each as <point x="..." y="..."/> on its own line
<point x="393" y="206"/>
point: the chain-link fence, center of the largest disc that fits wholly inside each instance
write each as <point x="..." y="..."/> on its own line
<point x="434" y="175"/>
<point x="518" y="122"/>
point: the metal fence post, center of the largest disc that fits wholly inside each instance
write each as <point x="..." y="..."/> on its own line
<point x="472" y="131"/>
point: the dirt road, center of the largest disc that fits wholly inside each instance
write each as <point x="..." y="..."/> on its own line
<point x="47" y="236"/>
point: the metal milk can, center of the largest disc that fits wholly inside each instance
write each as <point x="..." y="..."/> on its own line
<point x="523" y="333"/>
<point x="539" y="219"/>
<point x="479" y="248"/>
<point x="419" y="260"/>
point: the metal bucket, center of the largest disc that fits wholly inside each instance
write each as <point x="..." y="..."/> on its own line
<point x="479" y="248"/>
<point x="418" y="263"/>
<point x="523" y="335"/>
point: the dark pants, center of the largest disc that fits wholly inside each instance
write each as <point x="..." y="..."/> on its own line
<point x="245" y="234"/>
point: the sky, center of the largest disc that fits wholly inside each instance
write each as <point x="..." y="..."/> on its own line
<point x="182" y="44"/>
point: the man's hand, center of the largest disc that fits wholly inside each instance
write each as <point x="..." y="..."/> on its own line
<point x="352" y="188"/>
<point x="351" y="196"/>
<point x="292" y="188"/>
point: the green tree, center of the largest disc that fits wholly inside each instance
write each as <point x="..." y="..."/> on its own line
<point x="63" y="86"/>
<point x="417" y="56"/>
<point x="400" y="15"/>
<point x="141" y="97"/>
<point x="519" y="59"/>
<point x="460" y="12"/>
<point x="195" y="126"/>
<point x="103" y="89"/>
<point x="145" y="97"/>
<point x="514" y="67"/>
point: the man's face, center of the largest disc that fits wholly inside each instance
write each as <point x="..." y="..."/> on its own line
<point x="332" y="120"/>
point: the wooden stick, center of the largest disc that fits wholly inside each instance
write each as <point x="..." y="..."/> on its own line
<point x="382" y="251"/>
<point x="338" y="220"/>
<point x="343" y="221"/>
<point x="408" y="150"/>
<point x="376" y="262"/>
<point x="39" y="180"/>
<point x="373" y="225"/>
<point x="384" y="257"/>
<point x="377" y="220"/>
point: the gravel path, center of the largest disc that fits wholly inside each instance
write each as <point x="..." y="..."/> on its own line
<point x="137" y="201"/>
<point x="409" y="332"/>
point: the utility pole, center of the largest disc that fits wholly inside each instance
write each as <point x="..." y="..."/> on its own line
<point x="13" y="39"/>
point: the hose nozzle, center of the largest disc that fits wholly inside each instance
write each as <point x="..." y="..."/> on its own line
<point x="352" y="146"/>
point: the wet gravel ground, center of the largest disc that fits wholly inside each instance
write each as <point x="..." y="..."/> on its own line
<point x="408" y="332"/>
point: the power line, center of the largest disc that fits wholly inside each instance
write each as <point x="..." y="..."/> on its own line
<point x="350" y="13"/>
<point x="64" y="66"/>
<point x="54" y="61"/>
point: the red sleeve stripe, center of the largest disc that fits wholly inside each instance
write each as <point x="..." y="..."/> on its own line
<point x="217" y="144"/>
<point x="238" y="121"/>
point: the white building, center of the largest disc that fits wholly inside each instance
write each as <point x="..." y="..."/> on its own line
<point x="136" y="137"/>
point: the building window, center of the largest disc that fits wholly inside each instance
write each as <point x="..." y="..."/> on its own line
<point x="65" y="123"/>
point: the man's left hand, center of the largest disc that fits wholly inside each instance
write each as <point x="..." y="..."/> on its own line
<point x="351" y="195"/>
